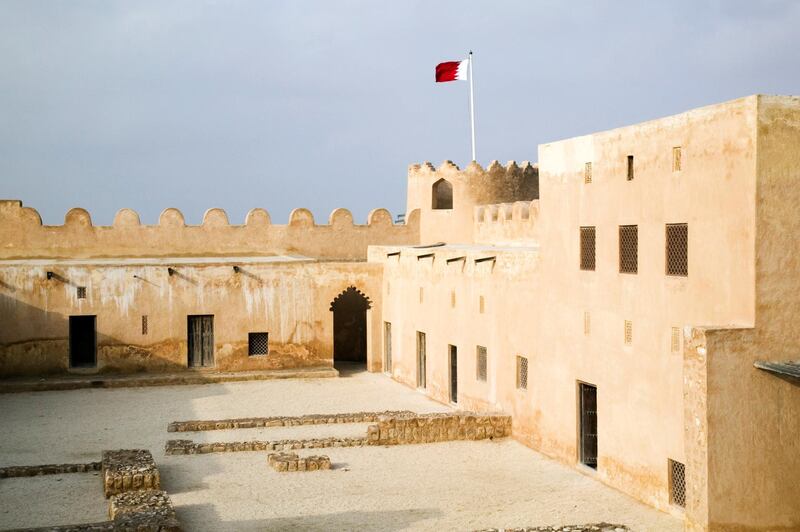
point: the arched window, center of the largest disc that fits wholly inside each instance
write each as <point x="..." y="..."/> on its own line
<point x="442" y="195"/>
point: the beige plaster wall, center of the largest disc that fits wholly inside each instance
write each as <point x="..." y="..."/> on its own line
<point x="289" y="299"/>
<point x="22" y="235"/>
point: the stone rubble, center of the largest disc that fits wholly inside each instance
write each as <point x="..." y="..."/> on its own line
<point x="281" y="421"/>
<point x="291" y="462"/>
<point x="129" y="470"/>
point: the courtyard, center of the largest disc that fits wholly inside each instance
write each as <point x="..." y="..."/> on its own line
<point x="460" y="485"/>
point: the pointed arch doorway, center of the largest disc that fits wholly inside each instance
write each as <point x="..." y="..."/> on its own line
<point x="350" y="327"/>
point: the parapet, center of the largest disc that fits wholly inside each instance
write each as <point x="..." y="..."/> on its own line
<point x="23" y="236"/>
<point x="507" y="223"/>
<point x="494" y="184"/>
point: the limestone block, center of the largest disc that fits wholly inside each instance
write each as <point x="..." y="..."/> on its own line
<point x="128" y="469"/>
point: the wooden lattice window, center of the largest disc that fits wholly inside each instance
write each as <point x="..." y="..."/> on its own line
<point x="81" y="292"/>
<point x="677" y="249"/>
<point x="630" y="167"/>
<point x="144" y="325"/>
<point x="676" y="159"/>
<point x="587" y="173"/>
<point x="481" y="364"/>
<point x="628" y="248"/>
<point x="677" y="483"/>
<point x="588" y="246"/>
<point x="258" y="343"/>
<point x="522" y="373"/>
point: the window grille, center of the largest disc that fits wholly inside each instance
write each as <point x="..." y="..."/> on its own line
<point x="522" y="373"/>
<point x="677" y="236"/>
<point x="628" y="332"/>
<point x="677" y="483"/>
<point x="676" y="339"/>
<point x="630" y="167"/>
<point x="81" y="292"/>
<point x="628" y="248"/>
<point x="481" y="364"/>
<point x="258" y="343"/>
<point x="676" y="159"/>
<point x="587" y="323"/>
<point x="588" y="248"/>
<point x="144" y="324"/>
<point x="587" y="173"/>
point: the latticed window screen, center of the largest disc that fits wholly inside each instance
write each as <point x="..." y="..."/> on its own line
<point x="676" y="159"/>
<point x="677" y="483"/>
<point x="81" y="292"/>
<point x="676" y="339"/>
<point x="677" y="236"/>
<point x="144" y="324"/>
<point x="628" y="248"/>
<point x="588" y="248"/>
<point x="522" y="373"/>
<point x="258" y="343"/>
<point x="628" y="332"/>
<point x="481" y="364"/>
<point x="587" y="173"/>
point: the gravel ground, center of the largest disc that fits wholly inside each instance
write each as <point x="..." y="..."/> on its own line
<point x="445" y="486"/>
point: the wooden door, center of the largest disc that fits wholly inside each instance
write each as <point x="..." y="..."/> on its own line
<point x="201" y="341"/>
<point x="588" y="420"/>
<point x="82" y="342"/>
<point x="453" y="374"/>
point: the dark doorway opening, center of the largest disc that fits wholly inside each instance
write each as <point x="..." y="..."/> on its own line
<point x="588" y="425"/>
<point x="453" y="374"/>
<point x="350" y="327"/>
<point x="82" y="342"/>
<point x="421" y="361"/>
<point x="201" y="341"/>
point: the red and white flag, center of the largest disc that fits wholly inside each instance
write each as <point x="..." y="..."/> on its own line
<point x="452" y="71"/>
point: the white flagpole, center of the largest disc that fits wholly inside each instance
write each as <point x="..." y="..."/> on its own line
<point x="471" y="106"/>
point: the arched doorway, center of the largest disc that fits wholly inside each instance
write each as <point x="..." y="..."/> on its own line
<point x="442" y="195"/>
<point x="350" y="326"/>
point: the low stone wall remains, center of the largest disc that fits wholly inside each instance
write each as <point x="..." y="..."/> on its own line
<point x="146" y="506"/>
<point x="289" y="462"/>
<point x="429" y="428"/>
<point x="598" y="527"/>
<point x="282" y="421"/>
<point x="129" y="470"/>
<point x="178" y="447"/>
<point x="47" y="469"/>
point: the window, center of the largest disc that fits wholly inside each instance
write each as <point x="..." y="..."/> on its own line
<point x="587" y="173"/>
<point x="677" y="483"/>
<point x="258" y="343"/>
<point x="442" y="195"/>
<point x="481" y="304"/>
<point x="144" y="325"/>
<point x="676" y="339"/>
<point x="480" y="363"/>
<point x="587" y="248"/>
<point x="677" y="238"/>
<point x="522" y="373"/>
<point x="628" y="332"/>
<point x="628" y="248"/>
<point x="587" y="323"/>
<point x="387" y="346"/>
<point x="676" y="159"/>
<point x="421" y="294"/>
<point x="81" y="292"/>
<point x="453" y="298"/>
<point x="630" y="167"/>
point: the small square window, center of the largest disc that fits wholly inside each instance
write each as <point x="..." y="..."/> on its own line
<point x="522" y="373"/>
<point x="258" y="343"/>
<point x="587" y="173"/>
<point x="588" y="248"/>
<point x="81" y="292"/>
<point x="481" y="364"/>
<point x="676" y="159"/>
<point x="630" y="167"/>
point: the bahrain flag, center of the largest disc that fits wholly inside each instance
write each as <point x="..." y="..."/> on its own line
<point x="452" y="71"/>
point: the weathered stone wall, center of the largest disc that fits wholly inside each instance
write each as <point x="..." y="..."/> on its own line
<point x="507" y="223"/>
<point x="129" y="470"/>
<point x="430" y="428"/>
<point x="291" y="462"/>
<point x="281" y="421"/>
<point x="48" y="469"/>
<point x="181" y="447"/>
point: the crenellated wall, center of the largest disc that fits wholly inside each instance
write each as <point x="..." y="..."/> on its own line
<point x="22" y="235"/>
<point x="472" y="186"/>
<point x="507" y="223"/>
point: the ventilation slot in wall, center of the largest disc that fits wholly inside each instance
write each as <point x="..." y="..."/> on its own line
<point x="630" y="167"/>
<point x="144" y="325"/>
<point x="258" y="343"/>
<point x="588" y="248"/>
<point x="481" y="364"/>
<point x="677" y="237"/>
<point x="676" y="159"/>
<point x="421" y="294"/>
<point x="676" y="339"/>
<point x="587" y="323"/>
<point x="628" y="248"/>
<point x="522" y="373"/>
<point x="481" y="304"/>
<point x="677" y="483"/>
<point x="628" y="332"/>
<point x="453" y="298"/>
<point x="587" y="173"/>
<point x="81" y="292"/>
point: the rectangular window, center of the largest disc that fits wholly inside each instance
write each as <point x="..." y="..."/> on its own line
<point x="676" y="339"/>
<point x="630" y="167"/>
<point x="144" y="325"/>
<point x="677" y="483"/>
<point x="387" y="346"/>
<point x="522" y="373"/>
<point x="421" y="361"/>
<point x="587" y="323"/>
<point x="676" y="159"/>
<point x="258" y="343"/>
<point x="453" y="298"/>
<point x="628" y="248"/>
<point x="587" y="173"/>
<point x="81" y="292"/>
<point x="421" y="294"/>
<point x="677" y="244"/>
<point x="628" y="332"/>
<point x="480" y="304"/>
<point x="588" y="425"/>
<point x="481" y="363"/>
<point x="588" y="248"/>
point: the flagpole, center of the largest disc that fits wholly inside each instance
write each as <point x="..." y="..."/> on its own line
<point x="472" y="106"/>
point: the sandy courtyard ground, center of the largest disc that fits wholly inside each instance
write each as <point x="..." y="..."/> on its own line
<point x="445" y="486"/>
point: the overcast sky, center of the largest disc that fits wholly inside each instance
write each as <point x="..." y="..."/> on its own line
<point x="323" y="104"/>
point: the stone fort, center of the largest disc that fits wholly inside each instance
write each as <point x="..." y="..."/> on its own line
<point x="631" y="301"/>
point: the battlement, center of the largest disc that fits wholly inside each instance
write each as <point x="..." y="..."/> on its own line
<point x="23" y="236"/>
<point x="507" y="223"/>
